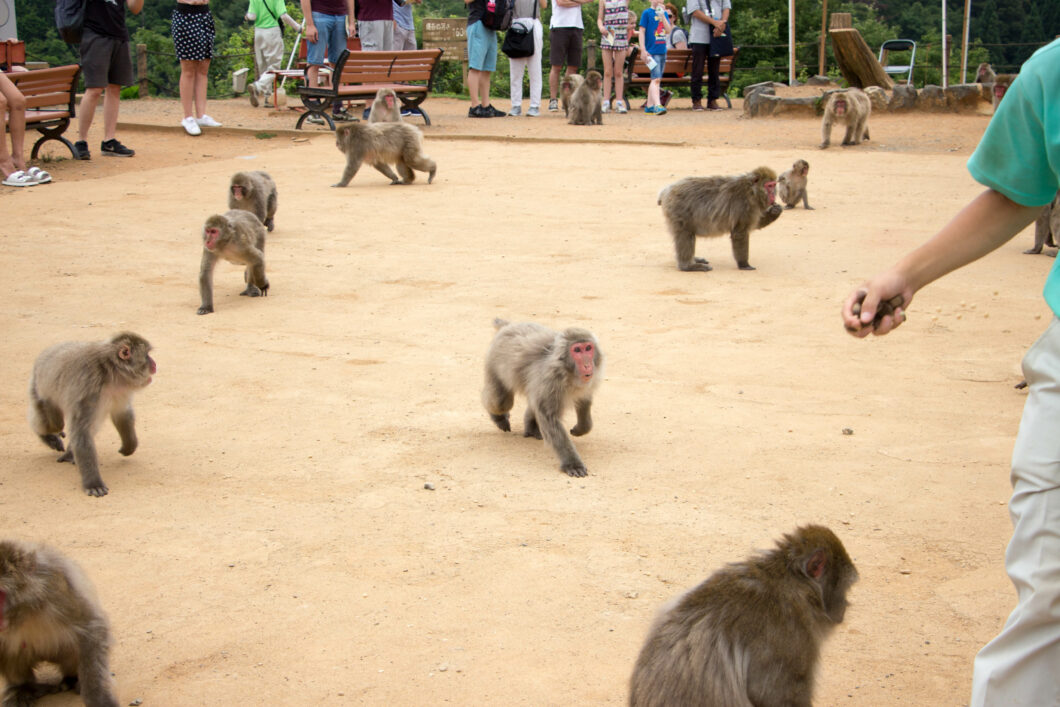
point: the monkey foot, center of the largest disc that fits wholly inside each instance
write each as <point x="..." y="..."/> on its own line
<point x="67" y="457"/>
<point x="576" y="470"/>
<point x="53" y="441"/>
<point x="204" y="310"/>
<point x="502" y="422"/>
<point x="698" y="267"/>
<point x="747" y="266"/>
<point x="98" y="491"/>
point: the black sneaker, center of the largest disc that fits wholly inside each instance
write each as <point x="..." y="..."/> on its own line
<point x="475" y="112"/>
<point x="491" y="112"/>
<point x="113" y="148"/>
<point x="81" y="150"/>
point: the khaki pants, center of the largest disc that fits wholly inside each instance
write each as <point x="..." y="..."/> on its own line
<point x="268" y="53"/>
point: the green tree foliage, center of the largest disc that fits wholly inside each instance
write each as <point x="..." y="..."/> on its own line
<point x="1003" y="32"/>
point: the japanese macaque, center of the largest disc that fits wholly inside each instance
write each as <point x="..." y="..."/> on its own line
<point x="1046" y="228"/>
<point x="254" y="192"/>
<point x="750" y="634"/>
<point x="850" y="107"/>
<point x="586" y="103"/>
<point x="238" y="237"/>
<point x="49" y="613"/>
<point x="714" y="206"/>
<point x="554" y="370"/>
<point x="385" y="107"/>
<point x="997" y="83"/>
<point x="380" y="145"/>
<point x="791" y="185"/>
<point x="568" y="85"/>
<point x="78" y="384"/>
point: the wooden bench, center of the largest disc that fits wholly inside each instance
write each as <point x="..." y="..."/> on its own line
<point x="50" y="101"/>
<point x="678" y="71"/>
<point x="355" y="75"/>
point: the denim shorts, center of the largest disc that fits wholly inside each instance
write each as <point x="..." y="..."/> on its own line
<point x="660" y="64"/>
<point x="331" y="34"/>
<point x="481" y="47"/>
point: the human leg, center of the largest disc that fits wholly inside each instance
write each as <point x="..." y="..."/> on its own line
<point x="1018" y="667"/>
<point x="86" y="111"/>
<point x="713" y="89"/>
<point x="15" y="105"/>
<point x="516" y="69"/>
<point x="618" y="59"/>
<point x="202" y="77"/>
<point x="534" y="65"/>
<point x="699" y="60"/>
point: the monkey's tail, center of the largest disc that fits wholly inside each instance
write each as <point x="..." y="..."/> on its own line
<point x="662" y="194"/>
<point x="499" y="323"/>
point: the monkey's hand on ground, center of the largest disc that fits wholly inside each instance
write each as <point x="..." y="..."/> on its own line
<point x="576" y="469"/>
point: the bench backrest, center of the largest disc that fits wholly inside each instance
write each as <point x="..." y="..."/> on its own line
<point x="412" y="66"/>
<point x="679" y="63"/>
<point x="46" y="88"/>
<point x="13" y="53"/>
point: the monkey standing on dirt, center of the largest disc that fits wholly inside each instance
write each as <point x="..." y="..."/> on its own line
<point x="554" y="370"/>
<point x="380" y="145"/>
<point x="385" y="107"/>
<point x="791" y="185"/>
<point x="254" y="192"/>
<point x="76" y="384"/>
<point x="49" y="613"/>
<point x="713" y="206"/>
<point x="238" y="237"/>
<point x="586" y="107"/>
<point x="751" y="633"/>
<point x="1046" y="228"/>
<point x="850" y="107"/>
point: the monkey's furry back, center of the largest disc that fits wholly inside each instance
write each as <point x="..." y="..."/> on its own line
<point x="728" y="203"/>
<point x="526" y="350"/>
<point x="35" y="578"/>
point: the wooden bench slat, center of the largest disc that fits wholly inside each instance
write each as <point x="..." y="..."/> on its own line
<point x="46" y="92"/>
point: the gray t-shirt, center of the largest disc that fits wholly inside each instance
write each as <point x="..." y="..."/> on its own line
<point x="525" y="8"/>
<point x="699" y="32"/>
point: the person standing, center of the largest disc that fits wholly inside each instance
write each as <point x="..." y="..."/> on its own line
<point x="565" y="36"/>
<point x="193" y="32"/>
<point x="481" y="61"/>
<point x="404" y="26"/>
<point x="654" y="26"/>
<point x="709" y="18"/>
<point x="1018" y="163"/>
<point x="268" y="43"/>
<point x="375" y="25"/>
<point x="614" y="25"/>
<point x="526" y="12"/>
<point x="106" y="66"/>
<point x="325" y="32"/>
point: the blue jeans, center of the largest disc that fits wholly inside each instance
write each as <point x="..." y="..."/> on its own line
<point x="331" y="35"/>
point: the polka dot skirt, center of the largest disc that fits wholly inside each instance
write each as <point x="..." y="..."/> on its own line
<point x="193" y="35"/>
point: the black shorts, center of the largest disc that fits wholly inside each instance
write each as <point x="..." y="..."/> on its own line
<point x="566" y="47"/>
<point x="105" y="60"/>
<point x="193" y="32"/>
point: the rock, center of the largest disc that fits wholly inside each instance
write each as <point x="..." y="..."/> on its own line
<point x="798" y="107"/>
<point x="819" y="81"/>
<point x="429" y="486"/>
<point x="878" y="97"/>
<point x="963" y="97"/>
<point x="903" y="97"/>
<point x="760" y="104"/>
<point x="931" y="98"/>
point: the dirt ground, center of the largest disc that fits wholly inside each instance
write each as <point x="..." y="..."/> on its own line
<point x="272" y="541"/>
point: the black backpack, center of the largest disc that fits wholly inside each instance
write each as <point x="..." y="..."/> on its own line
<point x="70" y="19"/>
<point x="498" y="14"/>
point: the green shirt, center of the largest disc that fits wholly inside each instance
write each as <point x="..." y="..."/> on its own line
<point x="264" y="18"/>
<point x="1019" y="154"/>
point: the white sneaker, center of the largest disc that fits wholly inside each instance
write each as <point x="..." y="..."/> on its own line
<point x="515" y="110"/>
<point x="605" y="106"/>
<point x="207" y="122"/>
<point x="190" y="126"/>
<point x="620" y="106"/>
<point x="533" y="112"/>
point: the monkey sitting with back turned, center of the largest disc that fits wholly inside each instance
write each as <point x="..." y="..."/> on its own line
<point x="751" y="634"/>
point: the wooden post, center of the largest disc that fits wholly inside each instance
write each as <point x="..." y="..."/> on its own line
<point x="590" y="55"/>
<point x="857" y="62"/>
<point x="842" y="20"/>
<point x="141" y="68"/>
<point x="820" y="50"/>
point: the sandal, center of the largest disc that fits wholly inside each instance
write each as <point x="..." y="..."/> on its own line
<point x="18" y="178"/>
<point x="39" y="174"/>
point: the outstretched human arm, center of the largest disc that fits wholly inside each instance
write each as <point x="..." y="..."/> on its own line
<point x="987" y="222"/>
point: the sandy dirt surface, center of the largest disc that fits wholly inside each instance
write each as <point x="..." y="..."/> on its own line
<point x="272" y="541"/>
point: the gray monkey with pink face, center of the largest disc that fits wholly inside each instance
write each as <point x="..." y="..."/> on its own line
<point x="554" y="370"/>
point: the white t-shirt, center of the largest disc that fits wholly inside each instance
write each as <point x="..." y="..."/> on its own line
<point x="566" y="16"/>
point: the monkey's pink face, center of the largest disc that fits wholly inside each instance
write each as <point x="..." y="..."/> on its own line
<point x="583" y="353"/>
<point x="211" y="236"/>
<point x="771" y="191"/>
<point x="389" y="101"/>
<point x="999" y="90"/>
<point x="840" y="106"/>
<point x="238" y="192"/>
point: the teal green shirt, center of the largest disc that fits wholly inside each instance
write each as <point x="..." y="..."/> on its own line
<point x="264" y="19"/>
<point x="1019" y="154"/>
